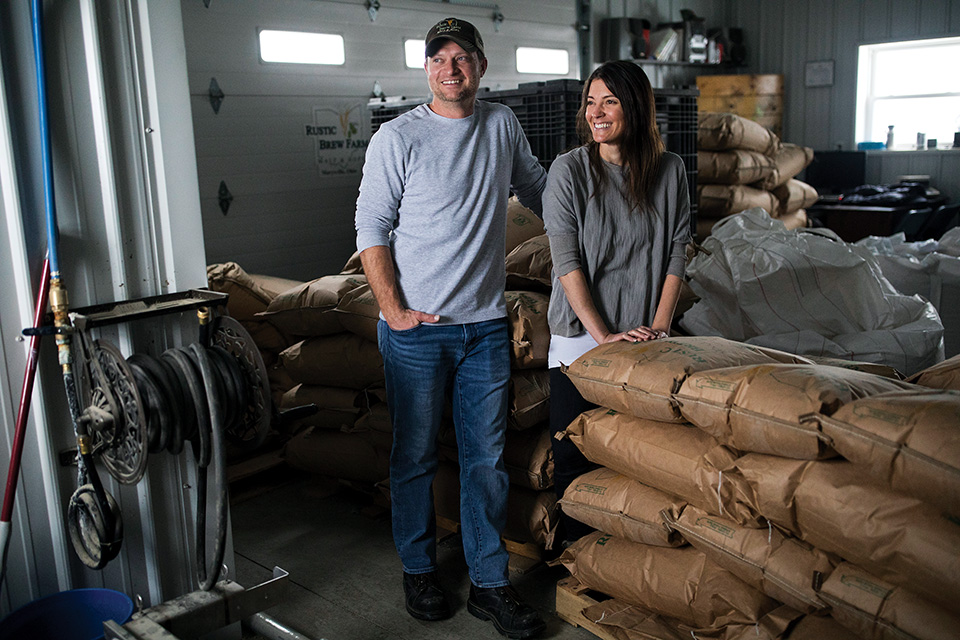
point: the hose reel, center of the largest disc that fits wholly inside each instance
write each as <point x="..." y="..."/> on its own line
<point x="203" y="394"/>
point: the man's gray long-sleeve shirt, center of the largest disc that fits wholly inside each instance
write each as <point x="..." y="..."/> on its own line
<point x="625" y="253"/>
<point x="435" y="191"/>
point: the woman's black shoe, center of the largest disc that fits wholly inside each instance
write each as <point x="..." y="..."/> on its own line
<point x="510" y="615"/>
<point x="424" y="598"/>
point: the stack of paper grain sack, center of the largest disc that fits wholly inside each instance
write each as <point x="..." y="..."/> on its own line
<point x="319" y="340"/>
<point x="744" y="492"/>
<point x="742" y="165"/>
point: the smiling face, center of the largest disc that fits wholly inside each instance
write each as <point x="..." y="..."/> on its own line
<point x="454" y="78"/>
<point x="604" y="114"/>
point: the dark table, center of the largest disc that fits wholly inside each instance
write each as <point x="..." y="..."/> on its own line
<point x="852" y="222"/>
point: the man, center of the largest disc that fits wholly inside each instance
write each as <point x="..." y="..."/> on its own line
<point x="431" y="225"/>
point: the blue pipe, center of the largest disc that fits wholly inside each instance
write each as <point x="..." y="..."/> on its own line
<point x="36" y="13"/>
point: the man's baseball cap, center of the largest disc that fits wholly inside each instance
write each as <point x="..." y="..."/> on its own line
<point x="459" y="31"/>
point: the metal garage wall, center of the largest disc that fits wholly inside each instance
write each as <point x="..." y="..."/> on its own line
<point x="128" y="209"/>
<point x="287" y="217"/>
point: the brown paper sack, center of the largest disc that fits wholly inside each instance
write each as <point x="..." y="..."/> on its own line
<point x="249" y="294"/>
<point x="344" y="360"/>
<point x="530" y="264"/>
<point x="353" y="265"/>
<point x="867" y="367"/>
<point x="944" y="375"/>
<point x="629" y="622"/>
<point x="640" y="378"/>
<point x="307" y="310"/>
<point x="878" y="610"/>
<point x="338" y="408"/>
<point x="676" y="458"/>
<point x="528" y="458"/>
<point x="720" y="131"/>
<point x="611" y="502"/>
<point x="531" y="515"/>
<point x="266" y="336"/>
<point x="793" y="196"/>
<point x="681" y="583"/>
<point x="765" y="408"/>
<point x="522" y="224"/>
<point x="719" y="200"/>
<point x="779" y="565"/>
<point x="348" y="456"/>
<point x="906" y="440"/>
<point x="796" y="220"/>
<point x="790" y="160"/>
<point x="736" y="166"/>
<point x="376" y="418"/>
<point x="529" y="393"/>
<point x="836" y="509"/>
<point x="529" y="331"/>
<point x="359" y="312"/>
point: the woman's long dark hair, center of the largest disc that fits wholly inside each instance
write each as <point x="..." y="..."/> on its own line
<point x="641" y="147"/>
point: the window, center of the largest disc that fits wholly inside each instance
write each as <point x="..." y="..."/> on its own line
<point x="913" y="86"/>
<point x="301" y="47"/>
<point x="544" y="61"/>
<point x="414" y="52"/>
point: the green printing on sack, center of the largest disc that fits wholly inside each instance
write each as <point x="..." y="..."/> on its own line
<point x="864" y="585"/>
<point x="713" y="525"/>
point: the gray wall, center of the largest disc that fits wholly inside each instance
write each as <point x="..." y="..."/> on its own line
<point x="288" y="218"/>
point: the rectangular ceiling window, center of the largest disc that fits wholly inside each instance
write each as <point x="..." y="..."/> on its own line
<point x="543" y="61"/>
<point x="414" y="52"/>
<point x="300" y="47"/>
<point x="909" y="85"/>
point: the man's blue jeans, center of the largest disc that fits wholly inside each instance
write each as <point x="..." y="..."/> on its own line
<point x="472" y="362"/>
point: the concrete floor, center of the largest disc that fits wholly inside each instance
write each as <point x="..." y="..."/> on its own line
<point x="345" y="577"/>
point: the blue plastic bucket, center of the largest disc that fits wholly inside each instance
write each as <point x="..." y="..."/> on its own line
<point x="69" y="615"/>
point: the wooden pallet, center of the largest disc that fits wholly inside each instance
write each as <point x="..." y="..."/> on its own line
<point x="572" y="598"/>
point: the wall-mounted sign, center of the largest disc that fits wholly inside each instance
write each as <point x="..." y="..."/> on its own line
<point x="341" y="135"/>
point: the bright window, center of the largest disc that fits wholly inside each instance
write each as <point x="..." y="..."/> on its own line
<point x="913" y="86"/>
<point x="414" y="52"/>
<point x="544" y="61"/>
<point x="301" y="47"/>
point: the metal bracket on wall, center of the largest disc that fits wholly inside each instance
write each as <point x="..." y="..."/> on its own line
<point x="224" y="197"/>
<point x="584" y="20"/>
<point x="206" y="3"/>
<point x="216" y="95"/>
<point x="373" y="6"/>
<point x="497" y="18"/>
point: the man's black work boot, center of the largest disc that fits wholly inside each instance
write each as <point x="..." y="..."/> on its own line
<point x="503" y="607"/>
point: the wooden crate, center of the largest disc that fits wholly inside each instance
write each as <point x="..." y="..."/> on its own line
<point x="752" y="96"/>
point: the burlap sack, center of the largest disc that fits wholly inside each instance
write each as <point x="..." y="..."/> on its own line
<point x="793" y="196"/>
<point x="796" y="220"/>
<point x="641" y="378"/>
<point x="529" y="331"/>
<point x="736" y="166"/>
<point x="676" y="458"/>
<point x="611" y="502"/>
<point x="906" y="440"/>
<point x="531" y="515"/>
<point x="353" y="265"/>
<point x="777" y="564"/>
<point x="348" y="456"/>
<point x="307" y="310"/>
<point x="522" y="224"/>
<point x="790" y="160"/>
<point x="528" y="457"/>
<point x="867" y="367"/>
<point x="943" y="375"/>
<point x="833" y="507"/>
<point x="358" y="312"/>
<point x="624" y="621"/>
<point x="721" y="131"/>
<point x="529" y="393"/>
<point x="530" y="265"/>
<point x="344" y="360"/>
<point x="249" y="294"/>
<point x="765" y="408"/>
<point x="875" y="609"/>
<point x="681" y="583"/>
<point x="719" y="200"/>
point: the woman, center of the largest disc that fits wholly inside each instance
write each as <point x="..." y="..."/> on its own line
<point x="617" y="213"/>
